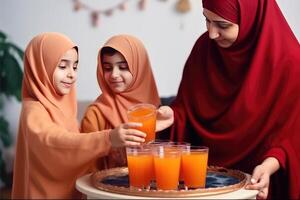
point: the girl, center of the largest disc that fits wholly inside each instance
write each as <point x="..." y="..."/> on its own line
<point x="125" y="77"/>
<point x="51" y="153"/>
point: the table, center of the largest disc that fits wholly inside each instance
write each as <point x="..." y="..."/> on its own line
<point x="84" y="185"/>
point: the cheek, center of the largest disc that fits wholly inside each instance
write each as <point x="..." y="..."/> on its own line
<point x="129" y="78"/>
<point x="106" y="77"/>
<point x="233" y="34"/>
<point x="75" y="75"/>
<point x="56" y="77"/>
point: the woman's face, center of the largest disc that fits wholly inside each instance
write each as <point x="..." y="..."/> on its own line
<point x="222" y="31"/>
<point x="65" y="74"/>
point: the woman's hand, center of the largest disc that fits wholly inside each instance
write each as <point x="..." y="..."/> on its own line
<point x="165" y="118"/>
<point x="260" y="179"/>
<point x="126" y="135"/>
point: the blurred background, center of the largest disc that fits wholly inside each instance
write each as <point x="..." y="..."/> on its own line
<point x="168" y="29"/>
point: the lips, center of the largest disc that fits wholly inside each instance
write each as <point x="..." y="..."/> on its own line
<point x="116" y="82"/>
<point x="67" y="85"/>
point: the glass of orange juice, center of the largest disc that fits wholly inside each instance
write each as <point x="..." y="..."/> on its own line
<point x="166" y="166"/>
<point x="146" y="115"/>
<point x="184" y="146"/>
<point x="140" y="166"/>
<point x="194" y="166"/>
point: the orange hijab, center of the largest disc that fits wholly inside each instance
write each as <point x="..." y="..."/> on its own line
<point x="142" y="89"/>
<point x="41" y="58"/>
<point x="51" y="153"/>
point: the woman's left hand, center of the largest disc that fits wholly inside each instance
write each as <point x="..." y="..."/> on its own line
<point x="260" y="179"/>
<point x="165" y="118"/>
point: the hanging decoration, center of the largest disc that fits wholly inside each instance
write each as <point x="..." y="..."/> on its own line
<point x="96" y="13"/>
<point x="182" y="6"/>
<point x="142" y="4"/>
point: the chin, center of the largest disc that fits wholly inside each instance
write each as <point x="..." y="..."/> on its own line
<point x="117" y="90"/>
<point x="64" y="92"/>
<point x="224" y="45"/>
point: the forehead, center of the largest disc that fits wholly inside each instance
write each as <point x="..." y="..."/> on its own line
<point x="116" y="57"/>
<point x="71" y="54"/>
<point x="213" y="16"/>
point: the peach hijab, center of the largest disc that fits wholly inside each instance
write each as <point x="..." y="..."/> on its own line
<point x="41" y="58"/>
<point x="45" y="145"/>
<point x="142" y="89"/>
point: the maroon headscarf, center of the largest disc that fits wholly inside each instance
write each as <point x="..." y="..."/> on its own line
<point x="243" y="102"/>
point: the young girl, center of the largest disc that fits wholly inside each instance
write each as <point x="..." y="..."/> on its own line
<point x="51" y="153"/>
<point x="125" y="78"/>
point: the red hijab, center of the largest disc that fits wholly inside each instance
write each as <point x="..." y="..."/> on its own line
<point x="243" y="102"/>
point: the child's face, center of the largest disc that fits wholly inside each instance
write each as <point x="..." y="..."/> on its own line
<point x="116" y="72"/>
<point x="221" y="30"/>
<point x="65" y="74"/>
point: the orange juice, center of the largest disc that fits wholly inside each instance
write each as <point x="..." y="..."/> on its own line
<point x="145" y="114"/>
<point x="167" y="166"/>
<point x="140" y="168"/>
<point x="194" y="166"/>
<point x="184" y="146"/>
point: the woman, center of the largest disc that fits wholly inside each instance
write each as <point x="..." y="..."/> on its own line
<point x="239" y="94"/>
<point x="51" y="153"/>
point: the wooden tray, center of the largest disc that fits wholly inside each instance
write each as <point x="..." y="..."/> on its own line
<point x="218" y="180"/>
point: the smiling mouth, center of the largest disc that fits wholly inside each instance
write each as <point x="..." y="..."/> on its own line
<point x="117" y="82"/>
<point x="67" y="84"/>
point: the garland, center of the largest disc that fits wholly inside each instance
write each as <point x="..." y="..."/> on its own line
<point x="182" y="6"/>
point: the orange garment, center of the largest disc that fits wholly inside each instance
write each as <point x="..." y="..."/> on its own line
<point x="51" y="153"/>
<point x="110" y="109"/>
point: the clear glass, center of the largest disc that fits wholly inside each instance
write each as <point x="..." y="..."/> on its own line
<point x="194" y="166"/>
<point x="140" y="166"/>
<point x="145" y="114"/>
<point x="167" y="166"/>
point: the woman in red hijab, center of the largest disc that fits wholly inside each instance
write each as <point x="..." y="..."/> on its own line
<point x="240" y="94"/>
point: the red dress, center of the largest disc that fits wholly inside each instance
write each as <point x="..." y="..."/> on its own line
<point x="243" y="102"/>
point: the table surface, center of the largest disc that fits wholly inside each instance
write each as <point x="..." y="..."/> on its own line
<point x="84" y="185"/>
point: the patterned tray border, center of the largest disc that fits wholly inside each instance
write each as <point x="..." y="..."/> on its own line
<point x="98" y="176"/>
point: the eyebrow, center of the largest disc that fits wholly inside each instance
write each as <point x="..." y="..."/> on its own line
<point x="217" y="21"/>
<point x="120" y="62"/>
<point x="65" y="60"/>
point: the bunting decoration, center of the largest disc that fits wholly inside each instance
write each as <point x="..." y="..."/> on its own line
<point x="182" y="6"/>
<point x="96" y="13"/>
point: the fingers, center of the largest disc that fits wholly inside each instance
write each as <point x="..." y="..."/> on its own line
<point x="257" y="174"/>
<point x="263" y="194"/>
<point x="130" y="143"/>
<point x="260" y="182"/>
<point x="132" y="125"/>
<point x="164" y="111"/>
<point x="133" y="138"/>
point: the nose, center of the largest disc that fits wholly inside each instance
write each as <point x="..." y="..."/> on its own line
<point x="213" y="32"/>
<point x="115" y="72"/>
<point x="71" y="72"/>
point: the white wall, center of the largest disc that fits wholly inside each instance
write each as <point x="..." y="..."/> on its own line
<point x="168" y="35"/>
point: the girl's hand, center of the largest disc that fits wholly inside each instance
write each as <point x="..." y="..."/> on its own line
<point x="126" y="135"/>
<point x="164" y="118"/>
<point x="260" y="179"/>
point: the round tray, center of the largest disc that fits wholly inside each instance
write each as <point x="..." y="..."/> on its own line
<point x="218" y="180"/>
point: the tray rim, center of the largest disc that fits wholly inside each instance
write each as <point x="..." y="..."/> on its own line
<point x="96" y="176"/>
